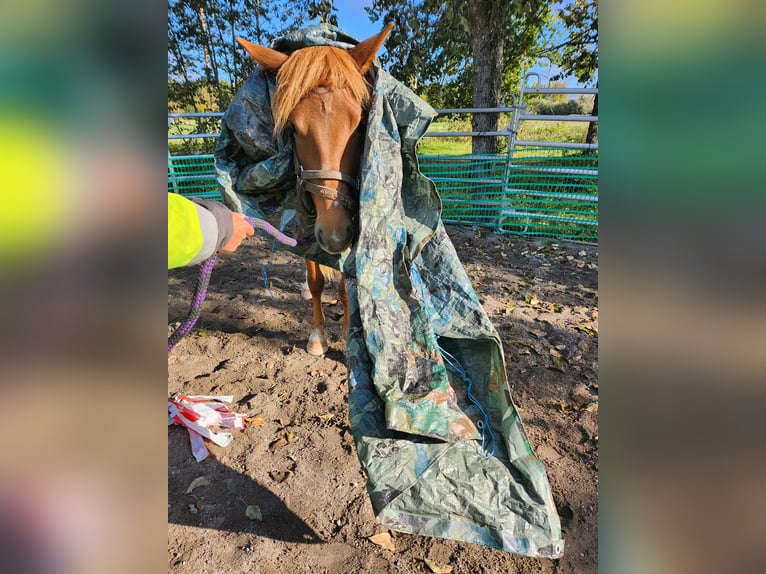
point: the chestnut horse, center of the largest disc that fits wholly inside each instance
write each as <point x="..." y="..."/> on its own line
<point x="321" y="97"/>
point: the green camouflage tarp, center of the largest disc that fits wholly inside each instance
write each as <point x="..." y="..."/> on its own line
<point x="431" y="412"/>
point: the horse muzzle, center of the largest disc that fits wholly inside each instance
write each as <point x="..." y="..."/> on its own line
<point x="335" y="242"/>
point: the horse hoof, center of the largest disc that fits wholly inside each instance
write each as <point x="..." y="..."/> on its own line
<point x="316" y="348"/>
<point x="317" y="345"/>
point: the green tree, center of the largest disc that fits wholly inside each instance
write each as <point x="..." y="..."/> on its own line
<point x="324" y="11"/>
<point x="462" y="53"/>
<point x="202" y="43"/>
<point x="577" y="55"/>
<point x="421" y="49"/>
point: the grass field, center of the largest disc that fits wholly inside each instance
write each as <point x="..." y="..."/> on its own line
<point x="530" y="130"/>
<point x="193" y="126"/>
<point x="570" y="132"/>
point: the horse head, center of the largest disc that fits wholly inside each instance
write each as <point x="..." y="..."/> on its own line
<point x="321" y="98"/>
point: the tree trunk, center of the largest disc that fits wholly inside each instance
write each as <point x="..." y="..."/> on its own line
<point x="487" y="77"/>
<point x="487" y="72"/>
<point x="593" y="126"/>
<point x="211" y="66"/>
<point x="234" y="47"/>
<point x="258" y="31"/>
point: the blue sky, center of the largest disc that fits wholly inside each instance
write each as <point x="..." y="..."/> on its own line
<point x="353" y="20"/>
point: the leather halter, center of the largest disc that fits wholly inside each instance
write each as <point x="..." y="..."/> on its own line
<point x="338" y="195"/>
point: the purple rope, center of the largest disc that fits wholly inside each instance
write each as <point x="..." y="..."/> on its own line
<point x="271" y="230"/>
<point x="203" y="280"/>
<point x="200" y="291"/>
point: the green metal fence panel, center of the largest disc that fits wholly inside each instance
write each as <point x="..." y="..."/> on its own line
<point x="551" y="192"/>
<point x="193" y="176"/>
<point x="471" y="186"/>
<point x="534" y="192"/>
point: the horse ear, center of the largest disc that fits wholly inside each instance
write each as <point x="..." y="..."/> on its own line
<point x="269" y="59"/>
<point x="364" y="52"/>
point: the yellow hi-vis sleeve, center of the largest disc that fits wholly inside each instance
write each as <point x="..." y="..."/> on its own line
<point x="184" y="233"/>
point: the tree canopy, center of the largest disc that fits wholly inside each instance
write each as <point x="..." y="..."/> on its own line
<point x="202" y="42"/>
<point x="578" y="54"/>
<point x="453" y="53"/>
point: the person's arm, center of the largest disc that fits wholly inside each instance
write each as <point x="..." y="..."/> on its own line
<point x="199" y="228"/>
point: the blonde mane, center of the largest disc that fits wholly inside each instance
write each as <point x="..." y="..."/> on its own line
<point x="315" y="67"/>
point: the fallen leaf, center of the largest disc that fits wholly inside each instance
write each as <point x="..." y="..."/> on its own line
<point x="326" y="417"/>
<point x="437" y="568"/>
<point x="280" y="442"/>
<point x="587" y="329"/>
<point x="199" y="481"/>
<point x="257" y="421"/>
<point x="383" y="540"/>
<point x="590" y="407"/>
<point x="559" y="363"/>
<point x="532" y="300"/>
<point x="253" y="512"/>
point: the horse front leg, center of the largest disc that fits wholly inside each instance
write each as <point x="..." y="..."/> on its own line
<point x="317" y="344"/>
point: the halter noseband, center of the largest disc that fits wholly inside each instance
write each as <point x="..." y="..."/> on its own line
<point x="338" y="195"/>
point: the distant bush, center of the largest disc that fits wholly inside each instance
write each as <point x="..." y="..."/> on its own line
<point x="557" y="108"/>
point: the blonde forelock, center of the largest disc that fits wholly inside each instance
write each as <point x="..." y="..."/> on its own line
<point x="315" y="67"/>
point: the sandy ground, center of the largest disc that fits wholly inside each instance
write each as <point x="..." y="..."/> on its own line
<point x="297" y="463"/>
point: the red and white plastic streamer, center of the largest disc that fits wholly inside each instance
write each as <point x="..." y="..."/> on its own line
<point x="199" y="412"/>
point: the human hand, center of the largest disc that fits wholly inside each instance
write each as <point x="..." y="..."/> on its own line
<point x="241" y="230"/>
